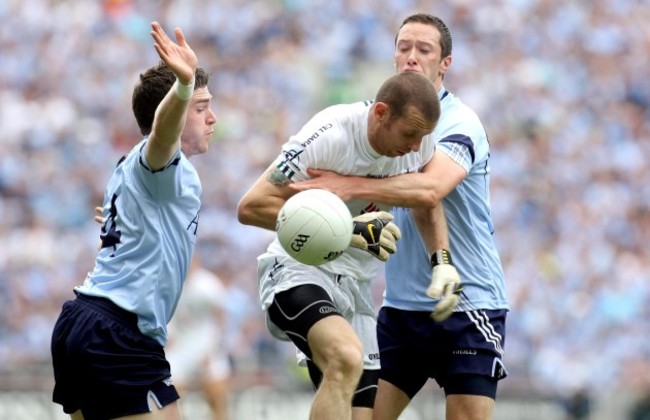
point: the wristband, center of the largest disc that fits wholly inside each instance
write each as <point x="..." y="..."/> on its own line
<point x="441" y="256"/>
<point x="183" y="92"/>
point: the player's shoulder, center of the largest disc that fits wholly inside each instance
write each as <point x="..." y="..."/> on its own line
<point x="132" y="154"/>
<point x="346" y="111"/>
<point x="340" y="121"/>
<point x="458" y="116"/>
<point x="454" y="108"/>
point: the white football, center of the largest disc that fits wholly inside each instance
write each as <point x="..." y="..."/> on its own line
<point x="314" y="226"/>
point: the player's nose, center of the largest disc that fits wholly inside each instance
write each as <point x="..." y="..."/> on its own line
<point x="212" y="117"/>
<point x="412" y="58"/>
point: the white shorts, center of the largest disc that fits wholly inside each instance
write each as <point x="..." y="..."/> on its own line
<point x="352" y="298"/>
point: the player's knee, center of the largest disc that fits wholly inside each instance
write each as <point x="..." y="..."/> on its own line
<point x="344" y="360"/>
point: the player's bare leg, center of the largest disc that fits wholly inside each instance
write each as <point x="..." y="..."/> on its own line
<point x="338" y="353"/>
<point x="390" y="401"/>
<point x="216" y="394"/>
<point x="168" y="412"/>
<point x="469" y="407"/>
<point x="361" y="413"/>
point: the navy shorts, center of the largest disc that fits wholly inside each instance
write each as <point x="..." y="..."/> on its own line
<point x="104" y="365"/>
<point x="463" y="353"/>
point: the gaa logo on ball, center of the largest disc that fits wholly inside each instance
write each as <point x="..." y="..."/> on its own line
<point x="314" y="227"/>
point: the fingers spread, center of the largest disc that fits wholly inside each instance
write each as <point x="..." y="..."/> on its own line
<point x="180" y="38"/>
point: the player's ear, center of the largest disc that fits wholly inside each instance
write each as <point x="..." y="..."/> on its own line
<point x="381" y="111"/>
<point x="444" y="65"/>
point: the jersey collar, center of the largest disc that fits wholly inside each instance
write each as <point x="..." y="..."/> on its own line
<point x="442" y="93"/>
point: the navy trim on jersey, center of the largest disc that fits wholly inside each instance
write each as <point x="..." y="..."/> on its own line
<point x="461" y="139"/>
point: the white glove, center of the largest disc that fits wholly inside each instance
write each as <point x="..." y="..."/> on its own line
<point x="374" y="232"/>
<point x="445" y="285"/>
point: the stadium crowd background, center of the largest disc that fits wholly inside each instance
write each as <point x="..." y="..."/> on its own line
<point x="561" y="85"/>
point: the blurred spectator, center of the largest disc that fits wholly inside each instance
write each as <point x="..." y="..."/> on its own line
<point x="641" y="408"/>
<point x="578" y="405"/>
<point x="196" y="349"/>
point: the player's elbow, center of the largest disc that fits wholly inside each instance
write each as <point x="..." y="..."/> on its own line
<point x="430" y="198"/>
<point x="245" y="213"/>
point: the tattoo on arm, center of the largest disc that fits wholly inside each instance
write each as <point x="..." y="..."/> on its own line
<point x="278" y="178"/>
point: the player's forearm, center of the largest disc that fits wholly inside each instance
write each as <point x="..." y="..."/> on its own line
<point x="170" y="118"/>
<point x="432" y="225"/>
<point x="168" y="125"/>
<point x="260" y="214"/>
<point x="409" y="190"/>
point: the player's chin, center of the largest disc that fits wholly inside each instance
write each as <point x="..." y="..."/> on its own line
<point x="201" y="148"/>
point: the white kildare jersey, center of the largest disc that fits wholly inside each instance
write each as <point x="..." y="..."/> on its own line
<point x="336" y="139"/>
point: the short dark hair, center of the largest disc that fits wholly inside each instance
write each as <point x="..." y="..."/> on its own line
<point x="436" y="22"/>
<point x="154" y="84"/>
<point x="407" y="90"/>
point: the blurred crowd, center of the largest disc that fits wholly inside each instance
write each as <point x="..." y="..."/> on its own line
<point x="562" y="87"/>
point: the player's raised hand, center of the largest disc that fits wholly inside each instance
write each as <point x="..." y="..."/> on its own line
<point x="178" y="56"/>
<point x="374" y="232"/>
<point x="445" y="285"/>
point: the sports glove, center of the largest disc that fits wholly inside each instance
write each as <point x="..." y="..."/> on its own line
<point x="374" y="232"/>
<point x="445" y="285"/>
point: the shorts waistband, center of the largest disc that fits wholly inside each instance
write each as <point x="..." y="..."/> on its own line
<point x="107" y="307"/>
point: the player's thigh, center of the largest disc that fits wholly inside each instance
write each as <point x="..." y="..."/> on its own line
<point x="469" y="407"/>
<point x="296" y="310"/>
<point x="390" y="401"/>
<point x="169" y="412"/>
<point x="332" y="338"/>
<point x="361" y="413"/>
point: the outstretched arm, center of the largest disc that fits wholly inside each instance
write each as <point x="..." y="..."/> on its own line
<point x="171" y="114"/>
<point x="424" y="189"/>
<point x="372" y="232"/>
<point x="262" y="202"/>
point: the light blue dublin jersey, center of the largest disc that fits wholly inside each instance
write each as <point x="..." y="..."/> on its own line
<point x="147" y="240"/>
<point x="461" y="136"/>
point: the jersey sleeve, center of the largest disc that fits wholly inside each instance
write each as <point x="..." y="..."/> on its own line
<point x="162" y="184"/>
<point x="460" y="138"/>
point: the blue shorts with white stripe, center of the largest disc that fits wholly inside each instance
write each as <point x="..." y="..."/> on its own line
<point x="463" y="353"/>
